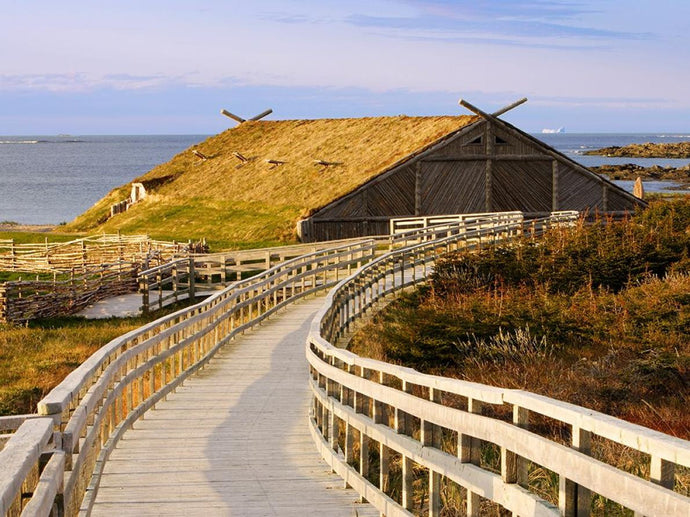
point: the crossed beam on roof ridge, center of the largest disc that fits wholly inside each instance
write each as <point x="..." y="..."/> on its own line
<point x="240" y="119"/>
<point x="495" y="114"/>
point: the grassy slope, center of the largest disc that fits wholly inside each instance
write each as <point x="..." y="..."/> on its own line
<point x="256" y="203"/>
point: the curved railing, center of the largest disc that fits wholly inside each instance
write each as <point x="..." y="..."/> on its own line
<point x="104" y="396"/>
<point x="375" y="423"/>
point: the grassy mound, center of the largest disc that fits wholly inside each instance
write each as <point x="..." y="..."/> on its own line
<point x="247" y="201"/>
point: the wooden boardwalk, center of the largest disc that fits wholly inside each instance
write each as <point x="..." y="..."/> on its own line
<point x="233" y="440"/>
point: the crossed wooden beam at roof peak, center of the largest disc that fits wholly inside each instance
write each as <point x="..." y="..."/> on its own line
<point x="495" y="114"/>
<point x="239" y="119"/>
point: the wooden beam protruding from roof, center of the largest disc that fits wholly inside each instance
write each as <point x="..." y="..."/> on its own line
<point x="261" y="115"/>
<point x="200" y="155"/>
<point x="509" y="107"/>
<point x="232" y="116"/>
<point x="325" y="163"/>
<point x="240" y="157"/>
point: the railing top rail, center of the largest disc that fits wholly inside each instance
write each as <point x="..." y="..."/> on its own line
<point x="19" y="456"/>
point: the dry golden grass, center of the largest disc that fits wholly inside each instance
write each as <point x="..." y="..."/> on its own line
<point x="255" y="201"/>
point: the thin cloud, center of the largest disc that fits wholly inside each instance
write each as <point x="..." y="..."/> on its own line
<point x="441" y="27"/>
<point x="81" y="82"/>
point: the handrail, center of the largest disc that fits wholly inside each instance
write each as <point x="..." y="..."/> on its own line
<point x="37" y="466"/>
<point x="437" y="422"/>
<point x="103" y="397"/>
<point x="178" y="278"/>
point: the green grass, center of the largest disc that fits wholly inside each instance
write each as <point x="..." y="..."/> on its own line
<point x="38" y="237"/>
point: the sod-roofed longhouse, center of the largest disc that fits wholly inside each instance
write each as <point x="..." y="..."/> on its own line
<point x="348" y="177"/>
<point x="485" y="165"/>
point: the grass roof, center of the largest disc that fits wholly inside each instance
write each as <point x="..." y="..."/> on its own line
<point x="243" y="203"/>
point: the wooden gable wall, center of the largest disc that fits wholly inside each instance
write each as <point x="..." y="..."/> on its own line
<point x="486" y="167"/>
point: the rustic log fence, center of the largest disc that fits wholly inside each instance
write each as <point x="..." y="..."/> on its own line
<point x="102" y="398"/>
<point x="87" y="251"/>
<point x="364" y="409"/>
<point x="22" y="301"/>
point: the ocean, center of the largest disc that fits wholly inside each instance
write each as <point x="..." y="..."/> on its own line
<point x="52" y="179"/>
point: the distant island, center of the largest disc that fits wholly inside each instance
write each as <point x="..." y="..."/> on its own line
<point x="631" y="171"/>
<point x="647" y="150"/>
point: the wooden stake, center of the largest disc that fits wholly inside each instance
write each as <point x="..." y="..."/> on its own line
<point x="325" y="163"/>
<point x="240" y="157"/>
<point x="200" y="155"/>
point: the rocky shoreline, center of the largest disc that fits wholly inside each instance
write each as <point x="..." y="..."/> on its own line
<point x="631" y="171"/>
<point x="647" y="150"/>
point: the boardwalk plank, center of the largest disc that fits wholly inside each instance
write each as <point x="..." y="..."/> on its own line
<point x="233" y="440"/>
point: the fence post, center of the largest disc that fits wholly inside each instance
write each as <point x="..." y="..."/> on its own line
<point x="192" y="279"/>
<point x="3" y="304"/>
<point x="144" y="290"/>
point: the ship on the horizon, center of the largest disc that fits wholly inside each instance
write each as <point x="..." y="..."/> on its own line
<point x="559" y="130"/>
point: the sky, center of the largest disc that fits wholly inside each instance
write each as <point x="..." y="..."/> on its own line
<point x="170" y="66"/>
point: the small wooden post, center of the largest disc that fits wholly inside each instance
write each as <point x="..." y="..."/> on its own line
<point x="192" y="279"/>
<point x="638" y="188"/>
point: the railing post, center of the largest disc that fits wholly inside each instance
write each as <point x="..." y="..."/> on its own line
<point x="662" y="472"/>
<point x="363" y="438"/>
<point x="384" y="452"/>
<point x="469" y="450"/>
<point x="401" y="427"/>
<point x="192" y="280"/>
<point x="574" y="500"/>
<point x="431" y="437"/>
<point x="521" y="419"/>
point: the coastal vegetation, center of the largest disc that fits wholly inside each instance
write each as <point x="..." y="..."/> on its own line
<point x="596" y="315"/>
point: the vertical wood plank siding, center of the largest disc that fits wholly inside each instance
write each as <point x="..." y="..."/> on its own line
<point x="449" y="180"/>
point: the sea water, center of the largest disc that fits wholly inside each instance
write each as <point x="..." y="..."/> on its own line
<point x="52" y="179"/>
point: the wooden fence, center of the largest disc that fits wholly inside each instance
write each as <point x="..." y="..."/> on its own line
<point x="365" y="409"/>
<point x="102" y="398"/>
<point x="26" y="300"/>
<point x="88" y="251"/>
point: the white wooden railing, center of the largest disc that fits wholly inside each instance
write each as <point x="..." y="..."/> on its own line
<point x="104" y="396"/>
<point x="180" y="278"/>
<point x="365" y="408"/>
